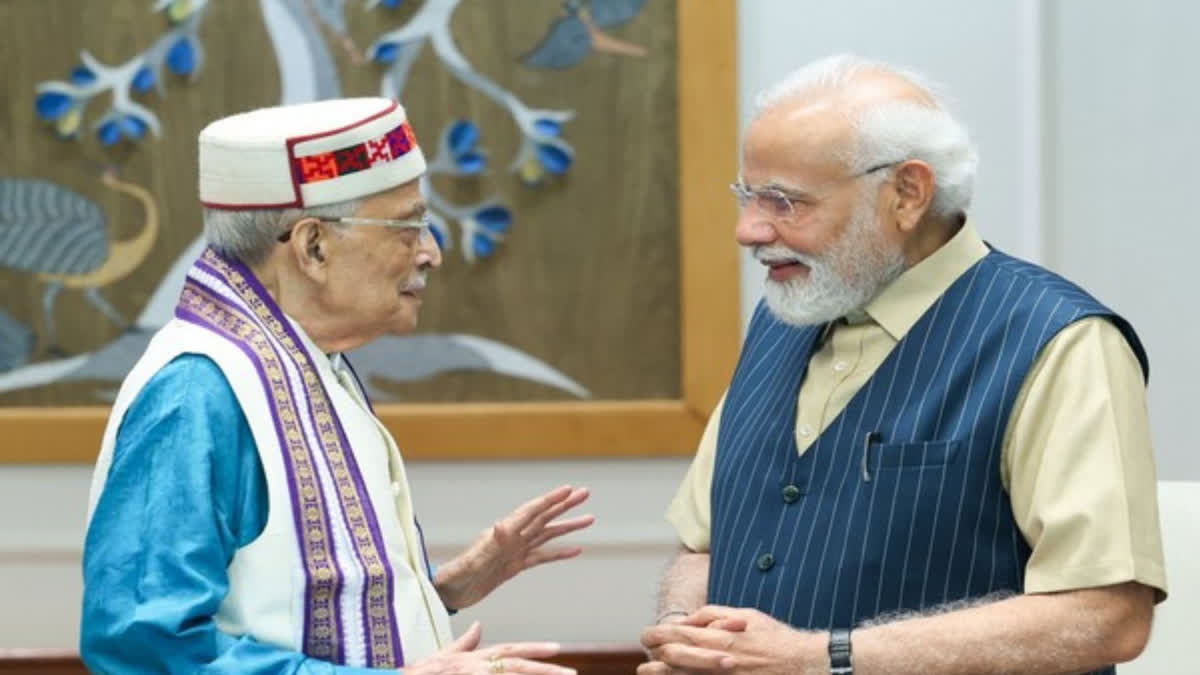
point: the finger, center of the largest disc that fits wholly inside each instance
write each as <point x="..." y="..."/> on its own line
<point x="678" y="633"/>
<point x="689" y="657"/>
<point x="525" y="513"/>
<point x="526" y="650"/>
<point x="710" y="613"/>
<point x="654" y="668"/>
<point x="527" y="667"/>
<point x="468" y="640"/>
<point x="559" y="529"/>
<point x="733" y="625"/>
<point x="541" y="557"/>
<point x="660" y="668"/>
<point x="553" y="510"/>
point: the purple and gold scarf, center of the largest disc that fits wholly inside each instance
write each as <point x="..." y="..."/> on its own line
<point x="223" y="296"/>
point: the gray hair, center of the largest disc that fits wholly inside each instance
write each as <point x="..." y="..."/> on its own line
<point x="892" y="131"/>
<point x="249" y="235"/>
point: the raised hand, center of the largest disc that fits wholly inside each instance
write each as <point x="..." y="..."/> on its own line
<point x="511" y="546"/>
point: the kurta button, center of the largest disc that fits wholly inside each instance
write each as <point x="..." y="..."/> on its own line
<point x="791" y="493"/>
<point x="766" y="561"/>
<point x="396" y="488"/>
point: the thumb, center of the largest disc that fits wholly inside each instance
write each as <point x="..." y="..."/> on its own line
<point x="468" y="641"/>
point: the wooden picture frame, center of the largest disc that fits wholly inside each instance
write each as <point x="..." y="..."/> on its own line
<point x="709" y="326"/>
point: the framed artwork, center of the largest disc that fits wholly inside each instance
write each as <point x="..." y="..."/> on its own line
<point x="579" y="154"/>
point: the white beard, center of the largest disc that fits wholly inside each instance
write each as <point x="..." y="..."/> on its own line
<point x="843" y="279"/>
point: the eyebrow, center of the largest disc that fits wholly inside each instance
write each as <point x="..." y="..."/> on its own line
<point x="790" y="192"/>
<point x="416" y="211"/>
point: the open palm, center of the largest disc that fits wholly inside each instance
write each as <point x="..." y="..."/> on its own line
<point x="511" y="546"/>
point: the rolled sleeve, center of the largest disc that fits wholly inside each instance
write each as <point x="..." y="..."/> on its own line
<point x="1079" y="465"/>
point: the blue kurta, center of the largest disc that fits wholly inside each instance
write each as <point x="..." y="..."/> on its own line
<point x="185" y="491"/>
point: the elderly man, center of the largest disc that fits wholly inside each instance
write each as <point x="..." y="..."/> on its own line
<point x="933" y="458"/>
<point x="249" y="512"/>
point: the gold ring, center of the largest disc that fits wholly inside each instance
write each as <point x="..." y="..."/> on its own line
<point x="496" y="665"/>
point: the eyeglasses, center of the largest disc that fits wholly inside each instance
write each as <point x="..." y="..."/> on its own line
<point x="423" y="223"/>
<point x="777" y="203"/>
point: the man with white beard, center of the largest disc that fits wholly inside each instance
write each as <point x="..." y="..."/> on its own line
<point x="933" y="457"/>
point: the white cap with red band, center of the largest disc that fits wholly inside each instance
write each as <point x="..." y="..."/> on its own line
<point x="309" y="154"/>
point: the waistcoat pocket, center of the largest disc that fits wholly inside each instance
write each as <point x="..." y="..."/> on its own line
<point x="922" y="454"/>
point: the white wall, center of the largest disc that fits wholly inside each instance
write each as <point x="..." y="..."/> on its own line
<point x="1123" y="166"/>
<point x="1120" y="105"/>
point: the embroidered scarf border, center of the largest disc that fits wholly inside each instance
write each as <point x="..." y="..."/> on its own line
<point x="248" y="327"/>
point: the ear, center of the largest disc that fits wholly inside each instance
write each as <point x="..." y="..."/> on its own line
<point x="310" y="248"/>
<point x="914" y="182"/>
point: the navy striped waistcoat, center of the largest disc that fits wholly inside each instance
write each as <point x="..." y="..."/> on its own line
<point x="898" y="505"/>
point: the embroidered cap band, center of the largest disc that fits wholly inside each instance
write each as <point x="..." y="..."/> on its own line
<point x="307" y="155"/>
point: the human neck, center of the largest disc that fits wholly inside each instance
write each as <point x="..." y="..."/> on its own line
<point x="931" y="235"/>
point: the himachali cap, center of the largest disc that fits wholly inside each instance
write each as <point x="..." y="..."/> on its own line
<point x="307" y="155"/>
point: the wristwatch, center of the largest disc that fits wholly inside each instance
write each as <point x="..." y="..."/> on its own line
<point x="840" y="662"/>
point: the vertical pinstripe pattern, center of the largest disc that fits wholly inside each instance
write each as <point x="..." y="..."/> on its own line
<point x="934" y="523"/>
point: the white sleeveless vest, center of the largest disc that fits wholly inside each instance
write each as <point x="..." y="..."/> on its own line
<point x="313" y="581"/>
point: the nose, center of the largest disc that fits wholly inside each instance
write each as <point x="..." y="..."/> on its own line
<point x="754" y="229"/>
<point x="429" y="254"/>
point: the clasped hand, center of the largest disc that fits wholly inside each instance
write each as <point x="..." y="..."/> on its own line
<point x="717" y="639"/>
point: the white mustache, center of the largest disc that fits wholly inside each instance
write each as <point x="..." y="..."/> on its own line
<point x="768" y="255"/>
<point x="416" y="284"/>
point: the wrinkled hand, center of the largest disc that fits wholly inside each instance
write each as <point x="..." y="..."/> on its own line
<point x="463" y="658"/>
<point x="731" y="640"/>
<point x="512" y="546"/>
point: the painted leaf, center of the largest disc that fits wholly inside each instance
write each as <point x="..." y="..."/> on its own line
<point x="566" y="43"/>
<point x="109" y="133"/>
<point x="609" y="13"/>
<point x="496" y="219"/>
<point x="531" y="172"/>
<point x="483" y="245"/>
<point x="49" y="228"/>
<point x="51" y="105"/>
<point x="144" y="80"/>
<point x="68" y="125"/>
<point x="553" y="158"/>
<point x="462" y="137"/>
<point x="82" y="76"/>
<point x="548" y="127"/>
<point x="386" y="52"/>
<point x="181" y="58"/>
<point x="179" y="10"/>
<point x="471" y="163"/>
<point x="132" y="127"/>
